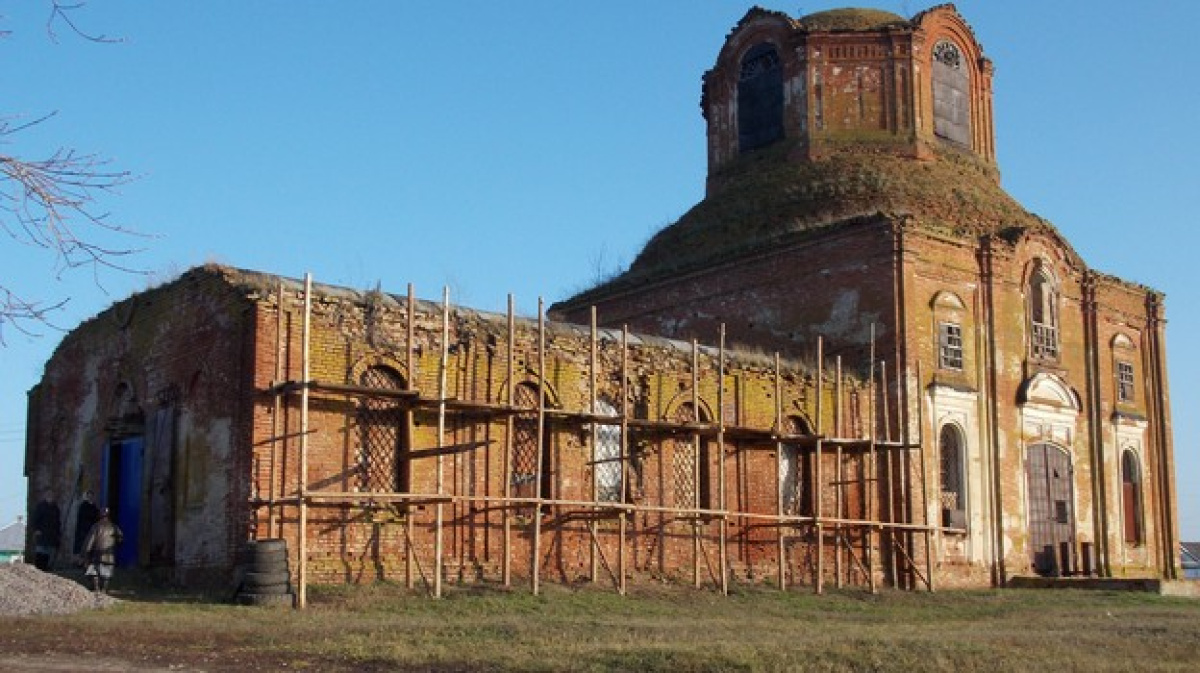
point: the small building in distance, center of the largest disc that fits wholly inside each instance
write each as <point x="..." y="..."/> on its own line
<point x="12" y="541"/>
<point x="858" y="361"/>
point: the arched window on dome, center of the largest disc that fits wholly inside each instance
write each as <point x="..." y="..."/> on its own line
<point x="1131" y="498"/>
<point x="760" y="98"/>
<point x="1043" y="315"/>
<point x="951" y="94"/>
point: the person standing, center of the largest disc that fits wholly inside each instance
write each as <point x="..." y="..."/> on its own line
<point x="100" y="551"/>
<point x="85" y="517"/>
<point x="47" y="527"/>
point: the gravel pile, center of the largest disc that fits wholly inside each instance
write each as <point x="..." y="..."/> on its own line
<point x="25" y="590"/>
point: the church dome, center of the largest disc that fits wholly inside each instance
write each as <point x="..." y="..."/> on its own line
<point x="852" y="19"/>
<point x="767" y="200"/>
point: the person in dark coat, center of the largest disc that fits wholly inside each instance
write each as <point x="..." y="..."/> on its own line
<point x="85" y="517"/>
<point x="47" y="528"/>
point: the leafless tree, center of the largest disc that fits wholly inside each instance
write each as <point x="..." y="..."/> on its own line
<point x="49" y="204"/>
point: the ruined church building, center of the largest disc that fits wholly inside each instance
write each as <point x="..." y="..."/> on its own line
<point x="857" y="362"/>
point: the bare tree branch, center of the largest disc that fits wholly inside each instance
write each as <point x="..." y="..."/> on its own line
<point x="50" y="204"/>
<point x="61" y="12"/>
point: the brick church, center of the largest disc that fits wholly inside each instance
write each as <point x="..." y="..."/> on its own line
<point x="857" y="362"/>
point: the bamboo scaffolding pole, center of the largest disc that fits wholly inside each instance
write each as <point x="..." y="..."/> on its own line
<point x="873" y="483"/>
<point x="818" y="585"/>
<point x="723" y="525"/>
<point x="276" y="413"/>
<point x="625" y="451"/>
<point x="302" y="491"/>
<point x="439" y="508"/>
<point x="410" y="364"/>
<point x="924" y="480"/>
<point x="890" y="468"/>
<point x="595" y="546"/>
<point x="779" y="477"/>
<point x="697" y="457"/>
<point x="506" y="564"/>
<point x="839" y="493"/>
<point x="535" y="562"/>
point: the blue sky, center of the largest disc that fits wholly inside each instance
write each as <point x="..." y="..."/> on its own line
<point x="528" y="147"/>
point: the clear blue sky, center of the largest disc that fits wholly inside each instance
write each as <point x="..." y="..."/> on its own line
<point x="525" y="147"/>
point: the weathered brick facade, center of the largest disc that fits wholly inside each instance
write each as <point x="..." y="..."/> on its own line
<point x="1015" y="415"/>
<point x="878" y="203"/>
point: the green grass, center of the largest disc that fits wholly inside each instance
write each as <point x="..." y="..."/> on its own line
<point x="659" y="628"/>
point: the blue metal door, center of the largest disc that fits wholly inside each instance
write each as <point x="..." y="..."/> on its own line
<point x="123" y="493"/>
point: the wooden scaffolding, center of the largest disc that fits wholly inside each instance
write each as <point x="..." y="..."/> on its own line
<point x="887" y="527"/>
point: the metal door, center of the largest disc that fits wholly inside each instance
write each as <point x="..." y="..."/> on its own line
<point x="1051" y="513"/>
<point x="123" y="494"/>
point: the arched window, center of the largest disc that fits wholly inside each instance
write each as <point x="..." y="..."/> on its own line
<point x="794" y="475"/>
<point x="382" y="452"/>
<point x="1131" y="497"/>
<point x="690" y="464"/>
<point x="525" y="447"/>
<point x="951" y="94"/>
<point x="760" y="98"/>
<point x="1043" y="315"/>
<point x="607" y="455"/>
<point x="953" y="495"/>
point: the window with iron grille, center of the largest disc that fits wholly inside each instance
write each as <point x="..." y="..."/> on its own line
<point x="950" y="346"/>
<point x="1124" y="381"/>
<point x="1043" y="317"/>
<point x="525" y="447"/>
<point x="953" y="502"/>
<point x="607" y="455"/>
<point x="382" y="455"/>
<point x="689" y="464"/>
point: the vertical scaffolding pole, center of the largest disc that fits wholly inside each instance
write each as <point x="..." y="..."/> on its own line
<point x="696" y="471"/>
<point x="723" y="524"/>
<point x="873" y="481"/>
<point x="439" y="507"/>
<point x="819" y="585"/>
<point x="410" y="364"/>
<point x="891" y="471"/>
<point x="839" y="491"/>
<point x="302" y="551"/>
<point x="506" y="564"/>
<point x="276" y="412"/>
<point x="779" y="477"/>
<point x="626" y="453"/>
<point x="595" y="466"/>
<point x="536" y="563"/>
<point x="924" y="483"/>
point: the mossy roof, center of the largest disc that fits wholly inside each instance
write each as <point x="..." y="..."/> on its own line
<point x="853" y="19"/>
<point x="765" y="199"/>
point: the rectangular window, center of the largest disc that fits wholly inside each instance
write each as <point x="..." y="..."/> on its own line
<point x="1124" y="382"/>
<point x="1045" y="341"/>
<point x="950" y="347"/>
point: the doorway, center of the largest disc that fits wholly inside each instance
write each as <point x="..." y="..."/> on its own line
<point x="1049" y="483"/>
<point x="123" y="494"/>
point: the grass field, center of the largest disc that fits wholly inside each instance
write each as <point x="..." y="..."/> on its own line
<point x="660" y="628"/>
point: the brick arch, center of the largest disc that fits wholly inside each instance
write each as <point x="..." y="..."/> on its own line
<point x="375" y="360"/>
